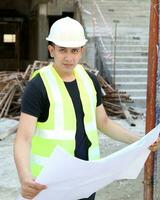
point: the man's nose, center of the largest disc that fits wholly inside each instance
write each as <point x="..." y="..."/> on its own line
<point x="68" y="57"/>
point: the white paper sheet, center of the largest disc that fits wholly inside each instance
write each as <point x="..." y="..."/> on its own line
<point x="70" y="178"/>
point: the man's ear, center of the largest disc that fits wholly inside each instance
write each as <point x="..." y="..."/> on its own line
<point x="83" y="50"/>
<point x="51" y="50"/>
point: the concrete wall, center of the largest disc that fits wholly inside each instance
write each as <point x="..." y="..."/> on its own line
<point x="18" y="12"/>
<point x="52" y="8"/>
<point x="35" y="26"/>
<point x="22" y="6"/>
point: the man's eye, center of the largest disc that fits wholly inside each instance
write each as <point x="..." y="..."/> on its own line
<point x="75" y="50"/>
<point x="61" y="50"/>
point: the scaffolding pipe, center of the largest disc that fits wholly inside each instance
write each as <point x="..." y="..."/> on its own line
<point x="114" y="54"/>
<point x="151" y="94"/>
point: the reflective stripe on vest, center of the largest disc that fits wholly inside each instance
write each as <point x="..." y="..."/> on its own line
<point x="60" y="127"/>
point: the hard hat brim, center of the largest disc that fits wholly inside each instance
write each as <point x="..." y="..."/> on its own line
<point x="72" y="44"/>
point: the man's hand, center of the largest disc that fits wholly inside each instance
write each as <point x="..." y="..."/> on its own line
<point x="30" y="188"/>
<point x="154" y="147"/>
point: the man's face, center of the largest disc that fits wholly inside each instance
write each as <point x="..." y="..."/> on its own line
<point x="65" y="59"/>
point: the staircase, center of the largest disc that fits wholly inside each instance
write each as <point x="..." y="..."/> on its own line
<point x="129" y="52"/>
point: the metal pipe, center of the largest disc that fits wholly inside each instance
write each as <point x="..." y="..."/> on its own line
<point x="114" y="54"/>
<point x="151" y="94"/>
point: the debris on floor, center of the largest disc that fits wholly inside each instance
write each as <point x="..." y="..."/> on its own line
<point x="7" y="127"/>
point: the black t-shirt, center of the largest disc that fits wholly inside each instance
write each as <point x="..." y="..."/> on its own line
<point x="36" y="103"/>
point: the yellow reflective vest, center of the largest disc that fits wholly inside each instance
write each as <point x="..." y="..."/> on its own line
<point x="60" y="127"/>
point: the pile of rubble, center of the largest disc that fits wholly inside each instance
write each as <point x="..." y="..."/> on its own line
<point x="12" y="86"/>
<point x="11" y="89"/>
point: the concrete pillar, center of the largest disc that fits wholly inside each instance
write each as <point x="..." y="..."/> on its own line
<point x="42" y="32"/>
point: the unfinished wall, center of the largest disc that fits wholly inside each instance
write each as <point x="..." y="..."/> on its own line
<point x="14" y="16"/>
<point x="22" y="6"/>
<point x="34" y="18"/>
<point x="48" y="13"/>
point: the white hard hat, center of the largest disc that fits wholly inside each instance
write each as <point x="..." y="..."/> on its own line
<point x="67" y="32"/>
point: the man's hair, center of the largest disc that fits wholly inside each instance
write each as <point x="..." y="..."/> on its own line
<point x="51" y="43"/>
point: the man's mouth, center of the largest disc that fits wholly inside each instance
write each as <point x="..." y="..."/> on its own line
<point x="69" y="65"/>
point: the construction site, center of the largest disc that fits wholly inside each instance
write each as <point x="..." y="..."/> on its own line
<point x="122" y="52"/>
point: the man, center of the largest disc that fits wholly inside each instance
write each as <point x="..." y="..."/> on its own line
<point x="61" y="106"/>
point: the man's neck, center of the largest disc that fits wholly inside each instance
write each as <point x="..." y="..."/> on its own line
<point x="66" y="76"/>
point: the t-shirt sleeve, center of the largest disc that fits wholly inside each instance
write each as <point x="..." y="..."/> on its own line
<point x="97" y="87"/>
<point x="32" y="99"/>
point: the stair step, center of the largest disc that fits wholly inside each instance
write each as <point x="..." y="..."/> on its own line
<point x="127" y="64"/>
<point x="104" y="31"/>
<point x="128" y="38"/>
<point x="138" y="98"/>
<point x="130" y="78"/>
<point x="134" y="71"/>
<point x="131" y="85"/>
<point x="132" y="47"/>
<point x="136" y="92"/>
<point x="124" y="42"/>
<point x="140" y="101"/>
<point x="131" y="59"/>
<point x="98" y="33"/>
<point x="130" y="53"/>
<point x="127" y="58"/>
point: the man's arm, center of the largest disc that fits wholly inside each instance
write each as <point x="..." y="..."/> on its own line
<point x="22" y="147"/>
<point x="116" y="132"/>
<point x="112" y="129"/>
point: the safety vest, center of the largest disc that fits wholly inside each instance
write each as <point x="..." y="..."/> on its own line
<point x="60" y="127"/>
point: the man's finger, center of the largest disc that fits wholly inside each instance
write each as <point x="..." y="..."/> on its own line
<point x="38" y="186"/>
